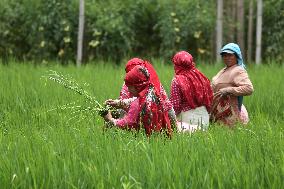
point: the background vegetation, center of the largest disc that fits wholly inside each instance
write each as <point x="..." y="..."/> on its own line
<point x="43" y="145"/>
<point x="41" y="30"/>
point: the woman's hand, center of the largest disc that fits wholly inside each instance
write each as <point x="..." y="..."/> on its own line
<point x="114" y="103"/>
<point x="108" y="116"/>
<point x="222" y="92"/>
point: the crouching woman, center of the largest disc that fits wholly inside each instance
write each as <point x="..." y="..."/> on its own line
<point x="148" y="110"/>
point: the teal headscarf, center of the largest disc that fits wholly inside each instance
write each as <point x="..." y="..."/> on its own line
<point x="237" y="51"/>
<point x="234" y="48"/>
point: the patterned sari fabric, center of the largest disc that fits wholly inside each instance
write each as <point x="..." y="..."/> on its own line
<point x="124" y="93"/>
<point x="194" y="86"/>
<point x="153" y="116"/>
<point x="225" y="110"/>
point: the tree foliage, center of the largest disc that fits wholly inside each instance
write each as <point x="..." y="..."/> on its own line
<point x="47" y="29"/>
<point x="273" y="33"/>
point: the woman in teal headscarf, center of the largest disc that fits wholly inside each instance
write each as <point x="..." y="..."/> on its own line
<point x="229" y="87"/>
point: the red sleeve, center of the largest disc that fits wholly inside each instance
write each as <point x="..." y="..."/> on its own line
<point x="168" y="104"/>
<point x="175" y="96"/>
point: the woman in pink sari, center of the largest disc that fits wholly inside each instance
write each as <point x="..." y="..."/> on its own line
<point x="148" y="109"/>
<point x="229" y="86"/>
<point x="126" y="97"/>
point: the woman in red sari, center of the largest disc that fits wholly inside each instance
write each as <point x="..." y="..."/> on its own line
<point x="126" y="98"/>
<point x="191" y="93"/>
<point x="148" y="109"/>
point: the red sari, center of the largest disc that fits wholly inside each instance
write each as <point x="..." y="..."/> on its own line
<point x="153" y="116"/>
<point x="195" y="87"/>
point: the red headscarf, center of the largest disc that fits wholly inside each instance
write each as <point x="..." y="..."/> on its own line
<point x="151" y="103"/>
<point x="139" y="62"/>
<point x="132" y="63"/>
<point x="194" y="85"/>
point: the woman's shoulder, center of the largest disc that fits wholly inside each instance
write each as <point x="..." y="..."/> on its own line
<point x="219" y="73"/>
<point x="238" y="70"/>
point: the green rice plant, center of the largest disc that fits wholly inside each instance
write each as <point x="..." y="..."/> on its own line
<point x="51" y="150"/>
<point x="92" y="105"/>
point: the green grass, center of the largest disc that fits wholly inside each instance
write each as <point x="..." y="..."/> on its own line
<point x="41" y="149"/>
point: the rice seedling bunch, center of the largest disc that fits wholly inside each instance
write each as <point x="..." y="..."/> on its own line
<point x="92" y="105"/>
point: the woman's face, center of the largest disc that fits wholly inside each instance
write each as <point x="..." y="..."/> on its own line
<point x="133" y="90"/>
<point x="229" y="59"/>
